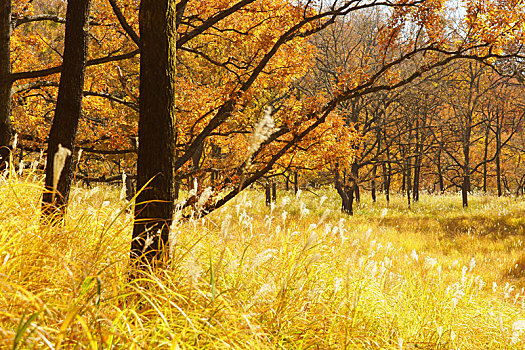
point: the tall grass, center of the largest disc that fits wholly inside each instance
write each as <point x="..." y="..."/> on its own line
<point x="297" y="275"/>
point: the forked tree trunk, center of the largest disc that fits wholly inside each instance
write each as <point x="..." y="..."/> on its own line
<point x="68" y="107"/>
<point x="346" y="193"/>
<point x="5" y="82"/>
<point x="156" y="152"/>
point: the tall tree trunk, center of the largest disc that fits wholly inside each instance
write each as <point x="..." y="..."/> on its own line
<point x="295" y="182"/>
<point x="346" y="194"/>
<point x="387" y="171"/>
<point x="374" y="172"/>
<point x="156" y="153"/>
<point x="268" y="193"/>
<point x="485" y="157"/>
<point x="465" y="186"/>
<point x="417" y="176"/>
<point x="408" y="180"/>
<point x="417" y="162"/>
<point x="69" y="106"/>
<point x="498" y="159"/>
<point x="5" y="82"/>
<point x="355" y="181"/>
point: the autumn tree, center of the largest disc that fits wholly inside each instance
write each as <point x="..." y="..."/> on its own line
<point x="5" y="86"/>
<point x="156" y="156"/>
<point x="68" y="107"/>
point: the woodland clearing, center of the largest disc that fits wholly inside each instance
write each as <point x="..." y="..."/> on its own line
<point x="296" y="275"/>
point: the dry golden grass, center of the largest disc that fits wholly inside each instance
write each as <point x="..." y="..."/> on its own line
<point x="299" y="275"/>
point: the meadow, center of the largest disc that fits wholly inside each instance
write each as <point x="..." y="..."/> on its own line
<point x="296" y="275"/>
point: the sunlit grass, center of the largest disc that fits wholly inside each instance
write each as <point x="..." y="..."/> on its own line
<point x="296" y="275"/>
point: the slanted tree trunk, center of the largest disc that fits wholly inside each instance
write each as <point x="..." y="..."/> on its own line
<point x="5" y="82"/>
<point x="156" y="153"/>
<point x="68" y="107"/>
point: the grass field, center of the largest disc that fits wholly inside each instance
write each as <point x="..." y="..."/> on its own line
<point x="298" y="275"/>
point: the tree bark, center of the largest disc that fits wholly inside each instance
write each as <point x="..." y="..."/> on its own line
<point x="346" y="194"/>
<point x="5" y="86"/>
<point x="485" y="157"/>
<point x="408" y="180"/>
<point x="417" y="162"/>
<point x="374" y="171"/>
<point x="156" y="152"/>
<point x="498" y="158"/>
<point x="386" y="180"/>
<point x="268" y="194"/>
<point x="68" y="107"/>
<point x="355" y="181"/>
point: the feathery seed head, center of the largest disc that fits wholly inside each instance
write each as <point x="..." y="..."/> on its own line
<point x="58" y="164"/>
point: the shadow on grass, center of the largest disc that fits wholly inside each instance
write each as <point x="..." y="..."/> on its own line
<point x="449" y="227"/>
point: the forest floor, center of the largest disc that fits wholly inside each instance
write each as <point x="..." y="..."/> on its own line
<point x="297" y="275"/>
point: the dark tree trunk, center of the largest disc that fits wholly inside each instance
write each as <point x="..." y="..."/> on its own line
<point x="355" y="181"/>
<point x="274" y="191"/>
<point x="346" y="194"/>
<point x="440" y="169"/>
<point x="68" y="107"/>
<point x="156" y="153"/>
<point x="417" y="162"/>
<point x="295" y="182"/>
<point x="386" y="180"/>
<point x="403" y="181"/>
<point x="465" y="188"/>
<point x="498" y="160"/>
<point x="268" y="194"/>
<point x="485" y="157"/>
<point x="177" y="190"/>
<point x="408" y="180"/>
<point x="417" y="172"/>
<point x="374" y="171"/>
<point x="5" y="82"/>
<point x="130" y="188"/>
<point x="287" y="183"/>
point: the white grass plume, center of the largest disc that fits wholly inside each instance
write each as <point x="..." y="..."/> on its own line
<point x="123" y="188"/>
<point x="58" y="165"/>
<point x="15" y="142"/>
<point x="262" y="131"/>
